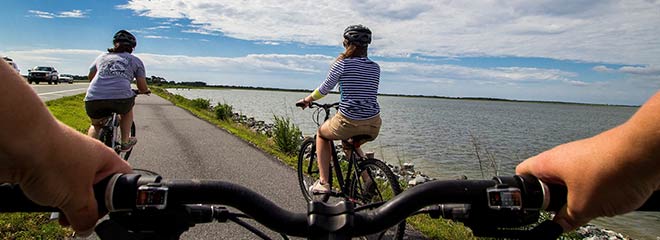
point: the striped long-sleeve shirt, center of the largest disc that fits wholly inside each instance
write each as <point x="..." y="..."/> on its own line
<point x="358" y="80"/>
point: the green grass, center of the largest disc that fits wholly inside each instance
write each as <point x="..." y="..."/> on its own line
<point x="71" y="111"/>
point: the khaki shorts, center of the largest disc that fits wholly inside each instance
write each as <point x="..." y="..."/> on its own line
<point x="344" y="128"/>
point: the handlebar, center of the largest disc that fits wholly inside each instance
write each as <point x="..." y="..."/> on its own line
<point x="137" y="92"/>
<point x="145" y="203"/>
<point x="326" y="106"/>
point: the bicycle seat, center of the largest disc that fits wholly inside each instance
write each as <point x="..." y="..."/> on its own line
<point x="358" y="140"/>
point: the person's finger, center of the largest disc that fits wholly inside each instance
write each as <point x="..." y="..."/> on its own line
<point x="81" y="213"/>
<point x="109" y="163"/>
<point x="566" y="219"/>
<point x="112" y="167"/>
<point x="541" y="166"/>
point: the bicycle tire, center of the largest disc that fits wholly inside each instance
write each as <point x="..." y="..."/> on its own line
<point x="374" y="183"/>
<point x="307" y="169"/>
<point x="127" y="154"/>
<point x="105" y="136"/>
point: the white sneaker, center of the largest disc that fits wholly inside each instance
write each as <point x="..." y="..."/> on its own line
<point x="127" y="146"/>
<point x="319" y="188"/>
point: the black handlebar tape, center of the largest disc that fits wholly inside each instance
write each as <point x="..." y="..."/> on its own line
<point x="244" y="199"/>
<point x="300" y="104"/>
<point x="558" y="199"/>
<point x="12" y="199"/>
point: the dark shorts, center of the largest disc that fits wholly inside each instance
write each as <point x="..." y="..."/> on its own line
<point x="104" y="108"/>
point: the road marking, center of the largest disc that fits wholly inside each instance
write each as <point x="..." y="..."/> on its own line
<point x="63" y="91"/>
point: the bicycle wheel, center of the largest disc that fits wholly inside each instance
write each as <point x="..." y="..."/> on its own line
<point x="105" y="136"/>
<point x="308" y="170"/>
<point x="377" y="183"/>
<point x="127" y="154"/>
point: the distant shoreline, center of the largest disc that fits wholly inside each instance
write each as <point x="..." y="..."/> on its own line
<point x="203" y="85"/>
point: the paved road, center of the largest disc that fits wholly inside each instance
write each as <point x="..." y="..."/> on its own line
<point x="49" y="92"/>
<point x="176" y="144"/>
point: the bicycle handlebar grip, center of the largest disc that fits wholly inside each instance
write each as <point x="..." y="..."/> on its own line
<point x="300" y="104"/>
<point x="12" y="199"/>
<point x="651" y="204"/>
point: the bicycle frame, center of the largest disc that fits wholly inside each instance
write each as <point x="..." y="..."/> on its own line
<point x="110" y="134"/>
<point x="344" y="184"/>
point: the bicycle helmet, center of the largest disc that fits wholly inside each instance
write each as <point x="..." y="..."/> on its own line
<point x="124" y="37"/>
<point x="358" y="34"/>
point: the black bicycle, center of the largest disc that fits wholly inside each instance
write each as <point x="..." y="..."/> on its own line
<point x="366" y="180"/>
<point x="110" y="133"/>
<point x="146" y="206"/>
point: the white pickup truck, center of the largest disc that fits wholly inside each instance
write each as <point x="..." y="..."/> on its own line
<point x="43" y="74"/>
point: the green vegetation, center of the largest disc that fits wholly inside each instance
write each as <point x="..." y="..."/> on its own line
<point x="287" y="136"/>
<point x="223" y="111"/>
<point x="201" y="103"/>
<point x="31" y="226"/>
<point x="71" y="111"/>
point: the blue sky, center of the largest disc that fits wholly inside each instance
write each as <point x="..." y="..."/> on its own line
<point x="591" y="51"/>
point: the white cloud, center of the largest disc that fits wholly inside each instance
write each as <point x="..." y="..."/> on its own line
<point x="602" y="68"/>
<point x="164" y="37"/>
<point x="75" y="13"/>
<point x="307" y="71"/>
<point x="586" y="30"/>
<point x="645" y="70"/>
<point x="511" y="74"/>
<point x="41" y="14"/>
<point x="72" y="14"/>
<point x="648" y="70"/>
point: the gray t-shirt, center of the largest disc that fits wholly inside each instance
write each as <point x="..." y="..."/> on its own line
<point x="114" y="74"/>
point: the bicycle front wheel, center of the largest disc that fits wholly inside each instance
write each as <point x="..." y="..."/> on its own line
<point x="308" y="170"/>
<point x="376" y="183"/>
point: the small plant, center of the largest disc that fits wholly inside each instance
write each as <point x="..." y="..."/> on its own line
<point x="286" y="135"/>
<point x="223" y="111"/>
<point x="494" y="164"/>
<point x="201" y="103"/>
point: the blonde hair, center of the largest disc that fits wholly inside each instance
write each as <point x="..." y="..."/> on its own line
<point x="352" y="50"/>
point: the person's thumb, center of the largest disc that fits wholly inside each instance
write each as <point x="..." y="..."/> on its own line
<point x="81" y="213"/>
<point x="566" y="219"/>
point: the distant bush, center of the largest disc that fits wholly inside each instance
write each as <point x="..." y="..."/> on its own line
<point x="201" y="103"/>
<point x="287" y="136"/>
<point x="223" y="111"/>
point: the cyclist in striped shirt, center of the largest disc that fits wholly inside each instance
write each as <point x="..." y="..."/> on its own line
<point x="359" y="112"/>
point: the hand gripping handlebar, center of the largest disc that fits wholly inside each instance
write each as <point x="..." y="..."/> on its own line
<point x="146" y="203"/>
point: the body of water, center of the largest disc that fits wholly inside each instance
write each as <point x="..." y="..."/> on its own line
<point x="443" y="137"/>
